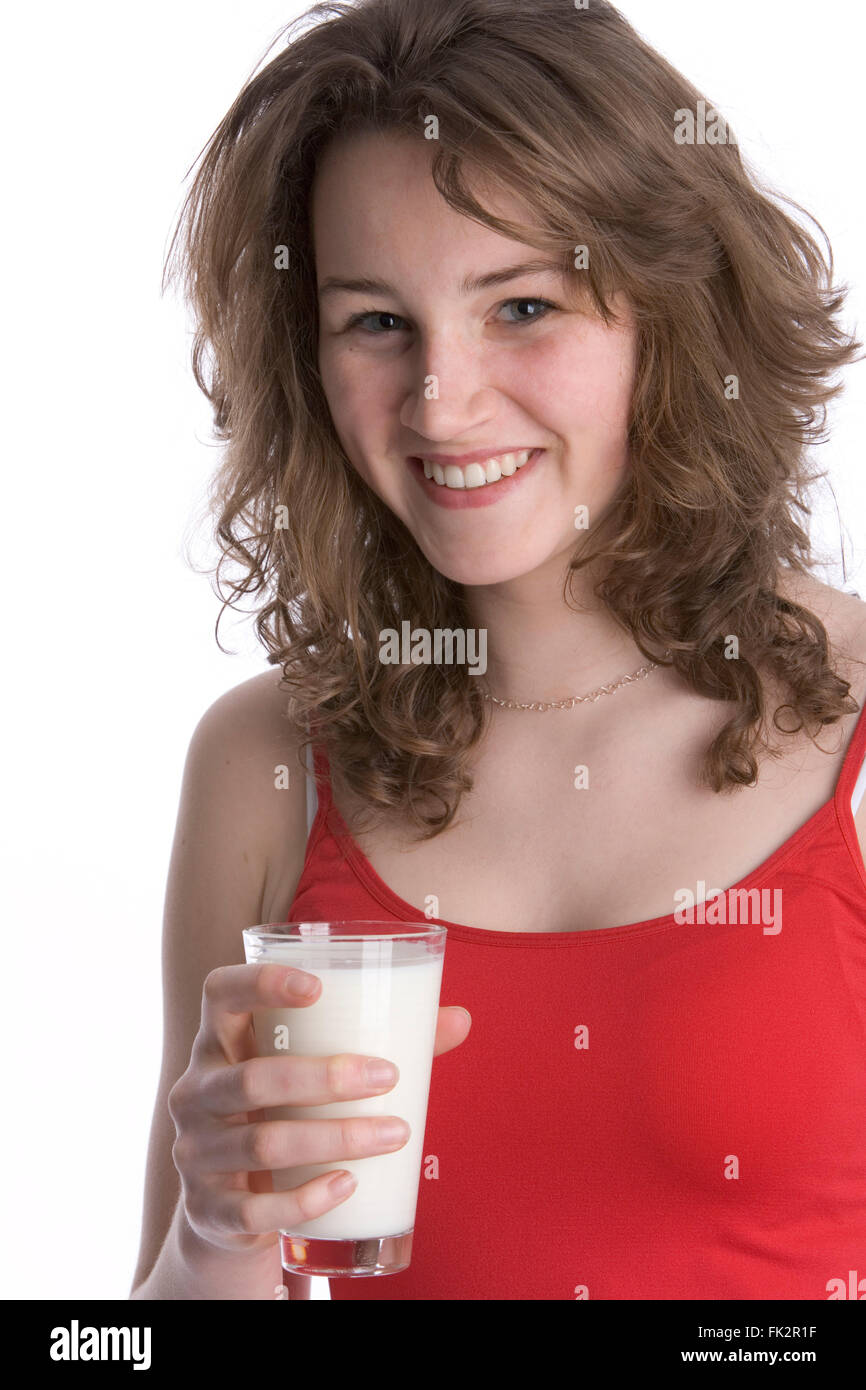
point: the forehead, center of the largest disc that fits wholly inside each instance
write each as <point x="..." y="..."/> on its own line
<point x="374" y="192"/>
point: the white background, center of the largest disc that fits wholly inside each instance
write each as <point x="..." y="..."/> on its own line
<point x="111" y="657"/>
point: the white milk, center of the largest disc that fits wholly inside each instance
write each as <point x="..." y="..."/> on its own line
<point x="376" y="1010"/>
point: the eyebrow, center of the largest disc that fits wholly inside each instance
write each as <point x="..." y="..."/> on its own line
<point x="469" y="285"/>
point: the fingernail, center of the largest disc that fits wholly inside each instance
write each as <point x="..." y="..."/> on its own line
<point x="298" y="983"/>
<point x="378" y="1072"/>
<point x="392" y="1131"/>
<point x="342" y="1183"/>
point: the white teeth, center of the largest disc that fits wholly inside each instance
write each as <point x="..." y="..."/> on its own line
<point x="492" y="471"/>
<point x="474" y="476"/>
<point x="477" y="474"/>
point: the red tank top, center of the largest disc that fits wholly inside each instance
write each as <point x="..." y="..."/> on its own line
<point x="663" y="1110"/>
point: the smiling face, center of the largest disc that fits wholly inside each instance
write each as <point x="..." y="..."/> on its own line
<point x="446" y="358"/>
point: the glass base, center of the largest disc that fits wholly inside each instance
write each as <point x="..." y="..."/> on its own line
<point x="331" y="1258"/>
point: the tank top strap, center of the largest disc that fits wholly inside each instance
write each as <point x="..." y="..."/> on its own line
<point x="851" y="768"/>
<point x="322" y="773"/>
<point x="318" y="784"/>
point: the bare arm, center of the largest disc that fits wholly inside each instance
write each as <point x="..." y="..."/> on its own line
<point x="231" y="818"/>
<point x="210" y="1213"/>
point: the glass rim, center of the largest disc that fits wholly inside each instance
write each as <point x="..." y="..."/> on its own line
<point x="293" y="931"/>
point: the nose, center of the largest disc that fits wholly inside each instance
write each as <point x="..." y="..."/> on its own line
<point x="450" y="393"/>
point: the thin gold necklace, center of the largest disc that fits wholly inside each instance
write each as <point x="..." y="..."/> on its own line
<point x="573" y="700"/>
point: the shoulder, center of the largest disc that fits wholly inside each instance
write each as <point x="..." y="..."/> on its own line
<point x="254" y="709"/>
<point x="250" y="730"/>
<point x="811" y="591"/>
<point x="843" y="615"/>
<point x="243" y="764"/>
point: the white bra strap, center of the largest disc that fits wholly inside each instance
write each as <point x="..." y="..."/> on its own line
<point x="312" y="794"/>
<point x="859" y="789"/>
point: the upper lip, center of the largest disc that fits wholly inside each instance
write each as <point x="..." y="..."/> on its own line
<point x="477" y="456"/>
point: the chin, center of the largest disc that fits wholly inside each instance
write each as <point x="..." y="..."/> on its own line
<point x="473" y="572"/>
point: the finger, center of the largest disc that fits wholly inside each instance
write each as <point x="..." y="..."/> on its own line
<point x="259" y="1082"/>
<point x="235" y="1212"/>
<point x="274" y="1144"/>
<point x="452" y="1028"/>
<point x="232" y="992"/>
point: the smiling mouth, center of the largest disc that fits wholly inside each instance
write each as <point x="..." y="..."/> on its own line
<point x="460" y="478"/>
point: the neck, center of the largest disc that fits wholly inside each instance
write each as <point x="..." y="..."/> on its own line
<point x="538" y="647"/>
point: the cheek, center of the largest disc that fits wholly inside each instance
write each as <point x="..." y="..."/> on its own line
<point x="578" y="383"/>
<point x="596" y="391"/>
<point x="359" y="418"/>
<point x="337" y="379"/>
<point x="603" y="400"/>
<point x="351" y="406"/>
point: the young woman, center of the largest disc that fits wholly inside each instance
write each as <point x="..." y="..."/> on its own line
<point x="496" y="348"/>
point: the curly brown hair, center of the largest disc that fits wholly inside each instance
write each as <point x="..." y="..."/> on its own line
<point x="573" y="111"/>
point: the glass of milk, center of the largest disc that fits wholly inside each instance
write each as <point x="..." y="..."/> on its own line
<point x="379" y="998"/>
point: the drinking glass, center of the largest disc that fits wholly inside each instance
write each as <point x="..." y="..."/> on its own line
<point x="379" y="998"/>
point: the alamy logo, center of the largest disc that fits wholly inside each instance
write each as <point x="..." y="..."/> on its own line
<point x="736" y="905"/>
<point x="419" y="647"/>
<point x="856" y="1287"/>
<point x="704" y="127"/>
<point x="102" y="1344"/>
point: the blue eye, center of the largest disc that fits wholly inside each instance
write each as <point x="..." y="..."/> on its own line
<point x="357" y="320"/>
<point x="546" y="304"/>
